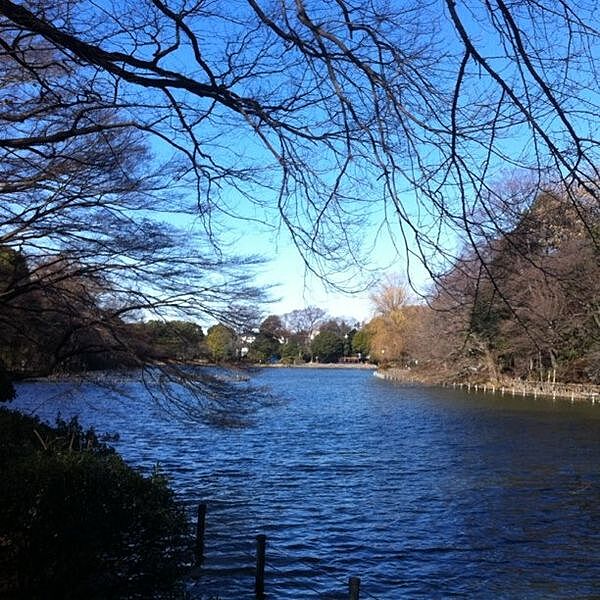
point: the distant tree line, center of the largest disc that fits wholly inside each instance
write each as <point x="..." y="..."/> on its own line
<point x="300" y="336"/>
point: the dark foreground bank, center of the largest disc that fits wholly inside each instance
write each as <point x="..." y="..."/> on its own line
<point x="77" y="522"/>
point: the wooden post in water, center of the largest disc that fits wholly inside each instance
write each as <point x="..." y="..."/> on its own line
<point x="259" y="583"/>
<point x="354" y="588"/>
<point x="200" y="525"/>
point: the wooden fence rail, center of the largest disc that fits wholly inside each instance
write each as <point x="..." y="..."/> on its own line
<point x="570" y="391"/>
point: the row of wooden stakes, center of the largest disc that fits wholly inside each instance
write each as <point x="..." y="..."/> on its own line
<point x="261" y="554"/>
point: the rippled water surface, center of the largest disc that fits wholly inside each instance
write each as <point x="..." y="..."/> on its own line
<point x="421" y="492"/>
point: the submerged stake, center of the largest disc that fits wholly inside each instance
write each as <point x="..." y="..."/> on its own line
<point x="259" y="585"/>
<point x="200" y="525"/>
<point x="354" y="588"/>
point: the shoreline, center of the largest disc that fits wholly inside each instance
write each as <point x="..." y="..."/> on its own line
<point x="565" y="391"/>
<point x="367" y="366"/>
<point x="119" y="375"/>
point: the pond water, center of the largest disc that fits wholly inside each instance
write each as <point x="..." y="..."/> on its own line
<point x="420" y="492"/>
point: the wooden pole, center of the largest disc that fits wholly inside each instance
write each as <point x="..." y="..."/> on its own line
<point x="259" y="584"/>
<point x="354" y="588"/>
<point x="200" y="526"/>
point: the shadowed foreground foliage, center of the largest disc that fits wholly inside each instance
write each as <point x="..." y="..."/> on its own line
<point x="77" y="522"/>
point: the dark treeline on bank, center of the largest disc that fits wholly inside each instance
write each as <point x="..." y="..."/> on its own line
<point x="53" y="321"/>
<point x="520" y="305"/>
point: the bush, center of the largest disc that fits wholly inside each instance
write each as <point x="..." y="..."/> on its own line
<point x="77" y="522"/>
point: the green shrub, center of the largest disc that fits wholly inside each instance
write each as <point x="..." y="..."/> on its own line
<point x="77" y="522"/>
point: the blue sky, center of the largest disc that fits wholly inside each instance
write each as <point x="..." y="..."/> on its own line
<point x="453" y="191"/>
<point x="294" y="286"/>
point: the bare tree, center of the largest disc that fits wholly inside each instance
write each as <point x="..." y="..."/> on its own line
<point x="94" y="229"/>
<point x="341" y="105"/>
<point x="333" y="115"/>
<point x="304" y="321"/>
<point x="390" y="296"/>
<point x="389" y="327"/>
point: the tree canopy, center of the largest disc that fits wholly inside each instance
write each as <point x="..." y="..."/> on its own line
<point x="327" y="347"/>
<point x="532" y="312"/>
<point x="122" y="123"/>
<point x="220" y="340"/>
<point x="325" y="111"/>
